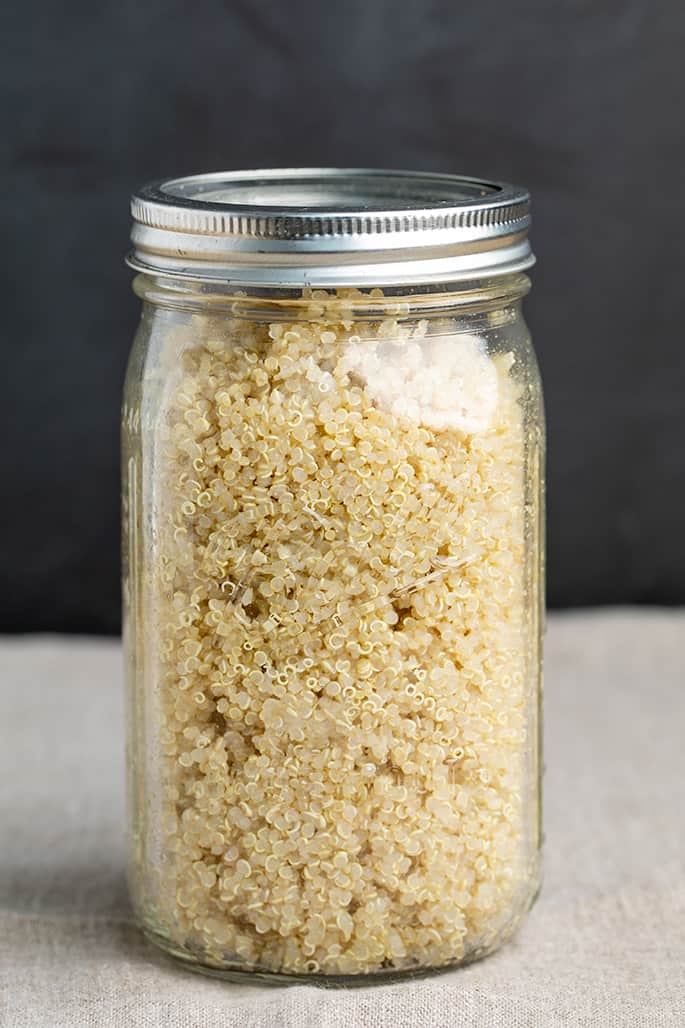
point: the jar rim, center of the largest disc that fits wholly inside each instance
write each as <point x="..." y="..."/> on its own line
<point x="330" y="227"/>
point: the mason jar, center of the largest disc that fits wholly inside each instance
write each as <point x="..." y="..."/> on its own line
<point x="332" y="512"/>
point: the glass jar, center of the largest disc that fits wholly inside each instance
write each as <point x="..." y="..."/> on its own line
<point x="332" y="497"/>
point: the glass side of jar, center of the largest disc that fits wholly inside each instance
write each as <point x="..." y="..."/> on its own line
<point x="332" y="607"/>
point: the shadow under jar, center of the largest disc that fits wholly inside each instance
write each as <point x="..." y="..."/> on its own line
<point x="332" y="512"/>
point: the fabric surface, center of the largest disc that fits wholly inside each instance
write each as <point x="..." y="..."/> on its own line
<point x="605" y="945"/>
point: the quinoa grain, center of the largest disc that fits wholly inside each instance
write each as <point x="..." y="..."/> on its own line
<point x="339" y="602"/>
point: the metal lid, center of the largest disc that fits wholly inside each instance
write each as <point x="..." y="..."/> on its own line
<point x="330" y="227"/>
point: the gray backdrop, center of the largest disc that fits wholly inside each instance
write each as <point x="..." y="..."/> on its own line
<point x="579" y="100"/>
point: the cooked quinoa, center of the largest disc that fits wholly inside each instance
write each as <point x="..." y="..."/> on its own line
<point x="339" y="598"/>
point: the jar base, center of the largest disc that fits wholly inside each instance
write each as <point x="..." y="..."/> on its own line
<point x="244" y="976"/>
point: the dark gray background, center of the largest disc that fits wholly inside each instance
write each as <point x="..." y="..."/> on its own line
<point x="581" y="100"/>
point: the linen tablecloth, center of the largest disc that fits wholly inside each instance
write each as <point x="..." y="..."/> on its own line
<point x="605" y="945"/>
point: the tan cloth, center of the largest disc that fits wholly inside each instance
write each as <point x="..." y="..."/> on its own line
<point x="605" y="945"/>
